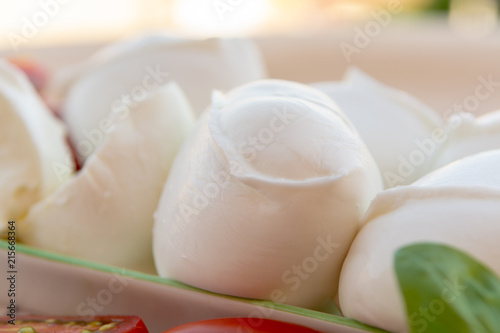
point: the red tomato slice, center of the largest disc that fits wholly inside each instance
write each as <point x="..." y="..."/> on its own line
<point x="35" y="71"/>
<point x="47" y="324"/>
<point x="240" y="325"/>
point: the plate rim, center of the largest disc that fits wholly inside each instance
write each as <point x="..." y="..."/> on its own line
<point x="61" y="258"/>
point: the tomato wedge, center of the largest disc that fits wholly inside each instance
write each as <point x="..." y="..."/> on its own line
<point x="35" y="72"/>
<point x="47" y="324"/>
<point x="240" y="325"/>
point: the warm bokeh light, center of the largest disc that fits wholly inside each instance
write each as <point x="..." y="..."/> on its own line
<point x="38" y="23"/>
<point x="32" y="22"/>
<point x="474" y="19"/>
<point x="220" y="17"/>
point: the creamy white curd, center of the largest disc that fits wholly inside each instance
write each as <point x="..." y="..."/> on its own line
<point x="265" y="198"/>
<point x="34" y="157"/>
<point x="105" y="213"/>
<point x="456" y="205"/>
<point x="468" y="135"/>
<point x="403" y="135"/>
<point x="130" y="69"/>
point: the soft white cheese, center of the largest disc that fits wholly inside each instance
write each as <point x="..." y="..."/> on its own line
<point x="456" y="205"/>
<point x="34" y="157"/>
<point x="105" y="213"/>
<point x="265" y="198"/>
<point x="467" y="135"/>
<point x="128" y="69"/>
<point x="401" y="133"/>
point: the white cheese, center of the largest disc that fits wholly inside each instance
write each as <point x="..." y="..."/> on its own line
<point x="403" y="135"/>
<point x="34" y="157"/>
<point x="105" y="213"/>
<point x="456" y="205"/>
<point x="467" y="135"/>
<point x="265" y="198"/>
<point x="128" y="69"/>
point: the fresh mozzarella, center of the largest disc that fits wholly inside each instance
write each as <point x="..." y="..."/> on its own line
<point x="468" y="135"/>
<point x="402" y="134"/>
<point x="456" y="205"/>
<point x="265" y="198"/>
<point x="129" y="69"/>
<point x="34" y="157"/>
<point x="105" y="213"/>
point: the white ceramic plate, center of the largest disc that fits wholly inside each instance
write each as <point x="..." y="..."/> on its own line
<point x="53" y="284"/>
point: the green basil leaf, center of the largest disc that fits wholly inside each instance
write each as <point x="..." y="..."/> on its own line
<point x="446" y="290"/>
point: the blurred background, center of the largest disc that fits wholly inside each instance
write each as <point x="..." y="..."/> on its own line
<point x="56" y="22"/>
<point x="434" y="49"/>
